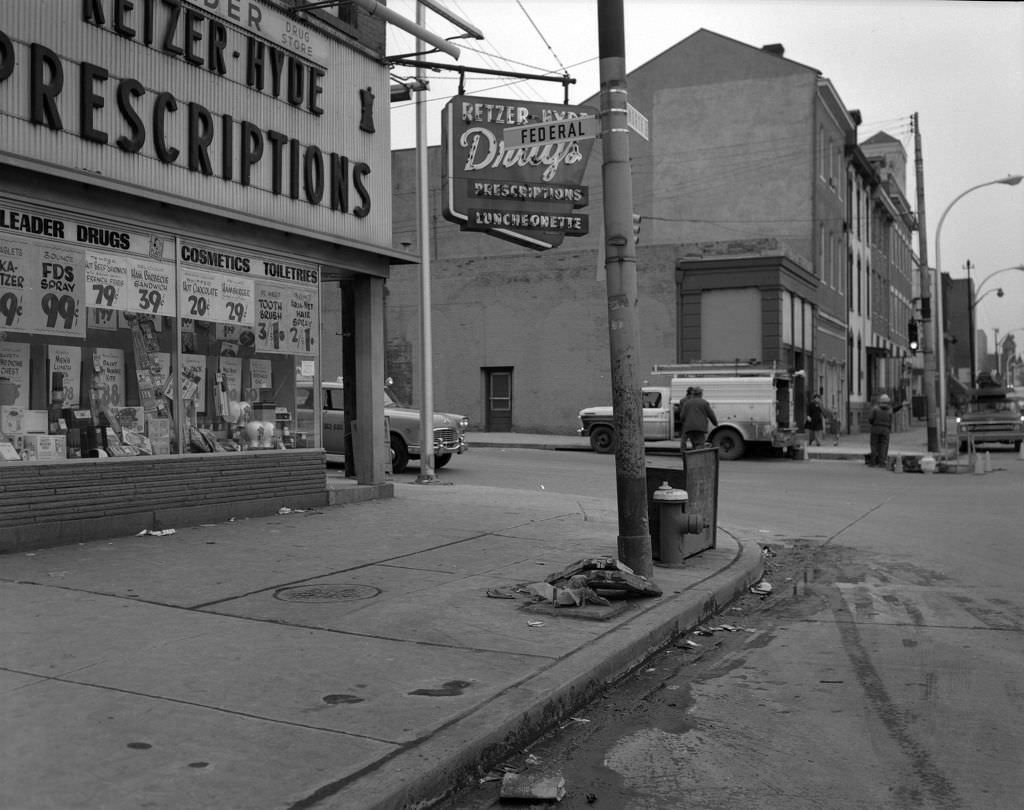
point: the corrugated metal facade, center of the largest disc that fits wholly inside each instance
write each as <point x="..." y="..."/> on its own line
<point x="30" y="26"/>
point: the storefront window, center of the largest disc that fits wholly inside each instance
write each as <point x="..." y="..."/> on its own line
<point x="115" y="343"/>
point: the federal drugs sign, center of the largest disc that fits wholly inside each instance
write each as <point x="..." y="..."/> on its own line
<point x="563" y="131"/>
<point x="528" y="192"/>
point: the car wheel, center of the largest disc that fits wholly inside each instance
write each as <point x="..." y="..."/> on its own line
<point x="441" y="459"/>
<point x="729" y="443"/>
<point x="399" y="454"/>
<point x="1016" y="445"/>
<point x="602" y="439"/>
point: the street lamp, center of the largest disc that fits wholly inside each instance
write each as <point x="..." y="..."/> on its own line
<point x="996" y="273"/>
<point x="940" y="326"/>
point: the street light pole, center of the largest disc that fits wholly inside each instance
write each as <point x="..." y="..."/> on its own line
<point x="940" y="330"/>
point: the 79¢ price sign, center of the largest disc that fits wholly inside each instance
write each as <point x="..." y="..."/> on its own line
<point x="212" y="297"/>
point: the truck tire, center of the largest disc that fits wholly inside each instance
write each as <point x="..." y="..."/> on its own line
<point x="399" y="454"/>
<point x="729" y="443"/>
<point x="602" y="439"/>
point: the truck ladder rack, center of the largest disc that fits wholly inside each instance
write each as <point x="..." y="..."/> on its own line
<point x="715" y="370"/>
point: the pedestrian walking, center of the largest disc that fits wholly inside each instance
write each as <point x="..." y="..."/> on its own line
<point x="881" y="426"/>
<point x="815" y="420"/>
<point x="696" y="413"/>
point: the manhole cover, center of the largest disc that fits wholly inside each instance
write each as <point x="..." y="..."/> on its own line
<point x="325" y="592"/>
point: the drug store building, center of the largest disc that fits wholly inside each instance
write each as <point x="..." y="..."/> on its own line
<point x="185" y="190"/>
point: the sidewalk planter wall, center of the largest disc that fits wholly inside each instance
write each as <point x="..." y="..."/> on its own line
<point x="54" y="504"/>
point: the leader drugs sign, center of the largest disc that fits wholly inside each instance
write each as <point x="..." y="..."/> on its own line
<point x="532" y="194"/>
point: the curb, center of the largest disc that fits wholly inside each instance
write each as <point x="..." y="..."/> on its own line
<point x="427" y="773"/>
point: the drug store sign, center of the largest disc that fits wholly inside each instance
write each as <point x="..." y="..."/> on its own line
<point x="532" y="194"/>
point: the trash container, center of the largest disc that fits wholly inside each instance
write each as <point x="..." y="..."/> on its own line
<point x="699" y="477"/>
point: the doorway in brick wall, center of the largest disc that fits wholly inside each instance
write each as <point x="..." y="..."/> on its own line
<point x="498" y="404"/>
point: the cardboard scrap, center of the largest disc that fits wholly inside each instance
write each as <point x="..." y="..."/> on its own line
<point x="532" y="787"/>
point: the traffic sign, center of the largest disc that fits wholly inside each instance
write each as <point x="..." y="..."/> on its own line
<point x="567" y="129"/>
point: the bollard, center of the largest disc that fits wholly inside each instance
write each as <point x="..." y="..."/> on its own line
<point x="899" y="463"/>
<point x="1020" y="450"/>
<point x="979" y="464"/>
<point x="988" y="462"/>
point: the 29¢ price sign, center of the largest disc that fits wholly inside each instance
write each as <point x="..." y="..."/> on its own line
<point x="205" y="296"/>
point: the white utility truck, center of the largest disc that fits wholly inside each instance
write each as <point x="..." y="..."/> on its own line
<point x="754" y="406"/>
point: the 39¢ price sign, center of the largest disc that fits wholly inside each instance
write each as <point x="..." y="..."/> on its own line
<point x="128" y="284"/>
<point x="205" y="296"/>
<point x="41" y="289"/>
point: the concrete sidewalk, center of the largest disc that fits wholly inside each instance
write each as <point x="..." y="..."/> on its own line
<point x="348" y="657"/>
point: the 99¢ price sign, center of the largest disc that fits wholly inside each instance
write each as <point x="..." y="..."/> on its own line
<point x="212" y="297"/>
<point x="41" y="289"/>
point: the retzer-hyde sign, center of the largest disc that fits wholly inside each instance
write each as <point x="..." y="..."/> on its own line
<point x="530" y="195"/>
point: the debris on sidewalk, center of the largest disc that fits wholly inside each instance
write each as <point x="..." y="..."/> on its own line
<point x="529" y="787"/>
<point x="157" y="532"/>
<point x="762" y="588"/>
<point x="605" y="574"/>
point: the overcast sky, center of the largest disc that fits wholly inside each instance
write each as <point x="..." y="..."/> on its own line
<point x="958" y="65"/>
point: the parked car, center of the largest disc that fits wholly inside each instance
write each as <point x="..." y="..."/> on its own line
<point x="404" y="429"/>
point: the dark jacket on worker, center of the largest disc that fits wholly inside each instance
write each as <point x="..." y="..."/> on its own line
<point x="881" y="417"/>
<point x="696" y="413"/>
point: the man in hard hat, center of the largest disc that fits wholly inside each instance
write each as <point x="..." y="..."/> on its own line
<point x="881" y="425"/>
<point x="695" y="414"/>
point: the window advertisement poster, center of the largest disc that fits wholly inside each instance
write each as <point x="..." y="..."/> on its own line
<point x="261" y="374"/>
<point x="67" y="361"/>
<point x="270" y="334"/>
<point x="301" y="321"/>
<point x="193" y="380"/>
<point x="129" y="284"/>
<point x="108" y="377"/>
<point x="230" y="379"/>
<point x="41" y="289"/>
<point x="14" y="374"/>
<point x="105" y="319"/>
<point x="209" y="296"/>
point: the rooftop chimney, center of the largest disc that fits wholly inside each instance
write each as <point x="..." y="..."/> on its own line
<point x="775" y="48"/>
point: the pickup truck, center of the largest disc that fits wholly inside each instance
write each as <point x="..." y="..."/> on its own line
<point x="404" y="424"/>
<point x="992" y="414"/>
<point x="753" y="407"/>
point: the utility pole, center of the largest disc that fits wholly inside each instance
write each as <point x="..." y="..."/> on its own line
<point x="634" y="540"/>
<point x="929" y="332"/>
<point x="426" y="475"/>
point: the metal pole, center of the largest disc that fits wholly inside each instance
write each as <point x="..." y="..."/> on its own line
<point x="634" y="541"/>
<point x="423" y="216"/>
<point x="970" y="323"/>
<point x="928" y="322"/>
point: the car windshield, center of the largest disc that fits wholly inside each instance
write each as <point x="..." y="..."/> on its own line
<point x="1008" y="406"/>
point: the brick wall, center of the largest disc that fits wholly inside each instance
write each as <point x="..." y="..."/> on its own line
<point x="45" y="504"/>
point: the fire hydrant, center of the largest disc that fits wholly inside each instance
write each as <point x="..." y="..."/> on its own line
<point x="674" y="523"/>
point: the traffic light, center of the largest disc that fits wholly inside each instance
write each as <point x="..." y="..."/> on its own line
<point x="912" y="336"/>
<point x="637" y="219"/>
